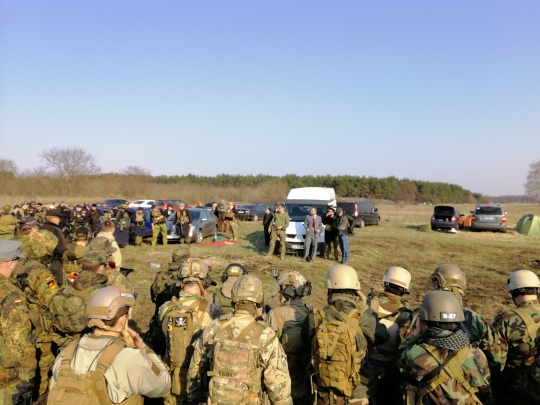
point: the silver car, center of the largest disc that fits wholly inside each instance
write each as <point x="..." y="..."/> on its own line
<point x="488" y="217"/>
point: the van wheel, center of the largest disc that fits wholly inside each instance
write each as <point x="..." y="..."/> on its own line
<point x="255" y="217"/>
<point x="361" y="224"/>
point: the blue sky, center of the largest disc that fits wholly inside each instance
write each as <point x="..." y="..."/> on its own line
<point x="441" y="91"/>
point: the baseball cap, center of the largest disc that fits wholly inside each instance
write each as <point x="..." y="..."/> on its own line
<point x="82" y="231"/>
<point x="339" y="209"/>
<point x="30" y="221"/>
<point x="9" y="250"/>
<point x="53" y="213"/>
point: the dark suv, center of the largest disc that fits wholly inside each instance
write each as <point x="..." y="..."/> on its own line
<point x="488" y="217"/>
<point x="445" y="217"/>
<point x="364" y="212"/>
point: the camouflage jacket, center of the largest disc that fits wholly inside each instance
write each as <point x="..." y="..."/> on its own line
<point x="115" y="278"/>
<point x="39" y="287"/>
<point x="517" y="348"/>
<point x="481" y="335"/>
<point x="418" y="362"/>
<point x="270" y="358"/>
<point x="17" y="352"/>
<point x="163" y="288"/>
<point x="74" y="252"/>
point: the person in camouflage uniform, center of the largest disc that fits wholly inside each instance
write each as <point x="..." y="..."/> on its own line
<point x="17" y="353"/>
<point x="162" y="290"/>
<point x="392" y="312"/>
<point x="39" y="287"/>
<point x="242" y="356"/>
<point x="346" y="304"/>
<point x="159" y="225"/>
<point x="75" y="250"/>
<point x="516" y="381"/>
<point x="449" y="277"/>
<point x="285" y="320"/>
<point x="222" y="295"/>
<point x="439" y="362"/>
<point x="193" y="279"/>
<point x="183" y="223"/>
<point x="27" y="229"/>
<point x="230" y="217"/>
<point x="8" y="223"/>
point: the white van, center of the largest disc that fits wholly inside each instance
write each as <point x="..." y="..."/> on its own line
<point x="299" y="202"/>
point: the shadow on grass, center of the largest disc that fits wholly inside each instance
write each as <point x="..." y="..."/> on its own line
<point x="256" y="239"/>
<point x="415" y="227"/>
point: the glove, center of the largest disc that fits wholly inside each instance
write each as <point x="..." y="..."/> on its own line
<point x="25" y="388"/>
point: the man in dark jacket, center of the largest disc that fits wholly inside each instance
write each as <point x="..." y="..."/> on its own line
<point x="267" y="219"/>
<point x="343" y="224"/>
<point x="94" y="216"/>
<point x="330" y="235"/>
<point x="52" y="224"/>
<point x="347" y="305"/>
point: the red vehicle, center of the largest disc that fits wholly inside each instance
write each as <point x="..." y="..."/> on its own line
<point x="163" y="203"/>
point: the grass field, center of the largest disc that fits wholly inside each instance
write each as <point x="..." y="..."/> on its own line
<point x="486" y="258"/>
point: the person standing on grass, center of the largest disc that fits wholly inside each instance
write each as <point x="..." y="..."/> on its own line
<point x="313" y="225"/>
<point x="330" y="235"/>
<point x="267" y="219"/>
<point x="341" y="226"/>
<point x="159" y="225"/>
<point x="278" y="224"/>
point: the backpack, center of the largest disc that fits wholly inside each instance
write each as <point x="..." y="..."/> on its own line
<point x="532" y="334"/>
<point x="235" y="376"/>
<point x="90" y="388"/>
<point x="291" y="333"/>
<point x="68" y="307"/>
<point x="223" y="302"/>
<point x="336" y="357"/>
<point x="183" y="328"/>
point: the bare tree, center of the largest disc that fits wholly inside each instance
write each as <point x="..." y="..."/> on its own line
<point x="135" y="171"/>
<point x="532" y="185"/>
<point x="8" y="166"/>
<point x="69" y="164"/>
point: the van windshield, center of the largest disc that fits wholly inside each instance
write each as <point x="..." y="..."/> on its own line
<point x="298" y="212"/>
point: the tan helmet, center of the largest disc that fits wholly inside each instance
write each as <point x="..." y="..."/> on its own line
<point x="300" y="286"/>
<point x="248" y="288"/>
<point x="234" y="270"/>
<point x="195" y="270"/>
<point x="398" y="276"/>
<point x="105" y="303"/>
<point x="342" y="277"/>
<point x="449" y="275"/>
<point x="522" y="279"/>
<point x="441" y="306"/>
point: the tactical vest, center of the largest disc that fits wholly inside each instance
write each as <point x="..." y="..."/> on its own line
<point x="90" y="388"/>
<point x="392" y="321"/>
<point x="236" y="376"/>
<point x="157" y="214"/>
<point x="532" y="335"/>
<point x="184" y="326"/>
<point x="450" y="368"/>
<point x="336" y="357"/>
<point x="182" y="217"/>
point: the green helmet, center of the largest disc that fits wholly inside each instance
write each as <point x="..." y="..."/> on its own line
<point x="449" y="275"/>
<point x="342" y="277"/>
<point x="102" y="243"/>
<point x="248" y="288"/>
<point x="441" y="306"/>
<point x="522" y="279"/>
<point x="234" y="270"/>
<point x="296" y="283"/>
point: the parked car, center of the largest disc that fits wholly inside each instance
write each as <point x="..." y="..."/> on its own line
<point x="446" y="217"/>
<point x="208" y="206"/>
<point x="364" y="212"/>
<point x="163" y="203"/>
<point x="204" y="221"/>
<point x="488" y="217"/>
<point x="250" y="212"/>
<point x="141" y="203"/>
<point x="112" y="202"/>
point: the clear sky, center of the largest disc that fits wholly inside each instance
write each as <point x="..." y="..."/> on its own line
<point x="431" y="90"/>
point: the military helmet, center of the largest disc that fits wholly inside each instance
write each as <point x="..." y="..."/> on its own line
<point x="102" y="243"/>
<point x="248" y="288"/>
<point x="181" y="253"/>
<point x="398" y="276"/>
<point x="41" y="244"/>
<point x="449" y="275"/>
<point x="342" y="277"/>
<point x="106" y="302"/>
<point x="522" y="279"/>
<point x="296" y="282"/>
<point x="234" y="270"/>
<point x="441" y="306"/>
<point x="193" y="268"/>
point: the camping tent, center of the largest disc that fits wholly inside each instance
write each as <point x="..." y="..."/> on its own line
<point x="529" y="225"/>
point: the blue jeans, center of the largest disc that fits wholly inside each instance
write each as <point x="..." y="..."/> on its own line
<point x="344" y="245"/>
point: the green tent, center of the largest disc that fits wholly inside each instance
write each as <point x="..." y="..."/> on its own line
<point x="529" y="225"/>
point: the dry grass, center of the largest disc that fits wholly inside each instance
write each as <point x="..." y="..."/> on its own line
<point x="486" y="258"/>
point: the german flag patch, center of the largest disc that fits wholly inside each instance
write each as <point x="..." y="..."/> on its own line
<point x="51" y="284"/>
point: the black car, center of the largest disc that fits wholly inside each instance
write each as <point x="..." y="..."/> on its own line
<point x="112" y="202"/>
<point x="250" y="212"/>
<point x="445" y="217"/>
<point x="364" y="212"/>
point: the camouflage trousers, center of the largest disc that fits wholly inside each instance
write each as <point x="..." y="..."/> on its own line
<point x="6" y="394"/>
<point x="233" y="228"/>
<point x="514" y="388"/>
<point x="159" y="229"/>
<point x="328" y="249"/>
<point x="45" y="362"/>
<point x="273" y="238"/>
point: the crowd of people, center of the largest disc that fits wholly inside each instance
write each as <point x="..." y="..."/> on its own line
<point x="66" y="338"/>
